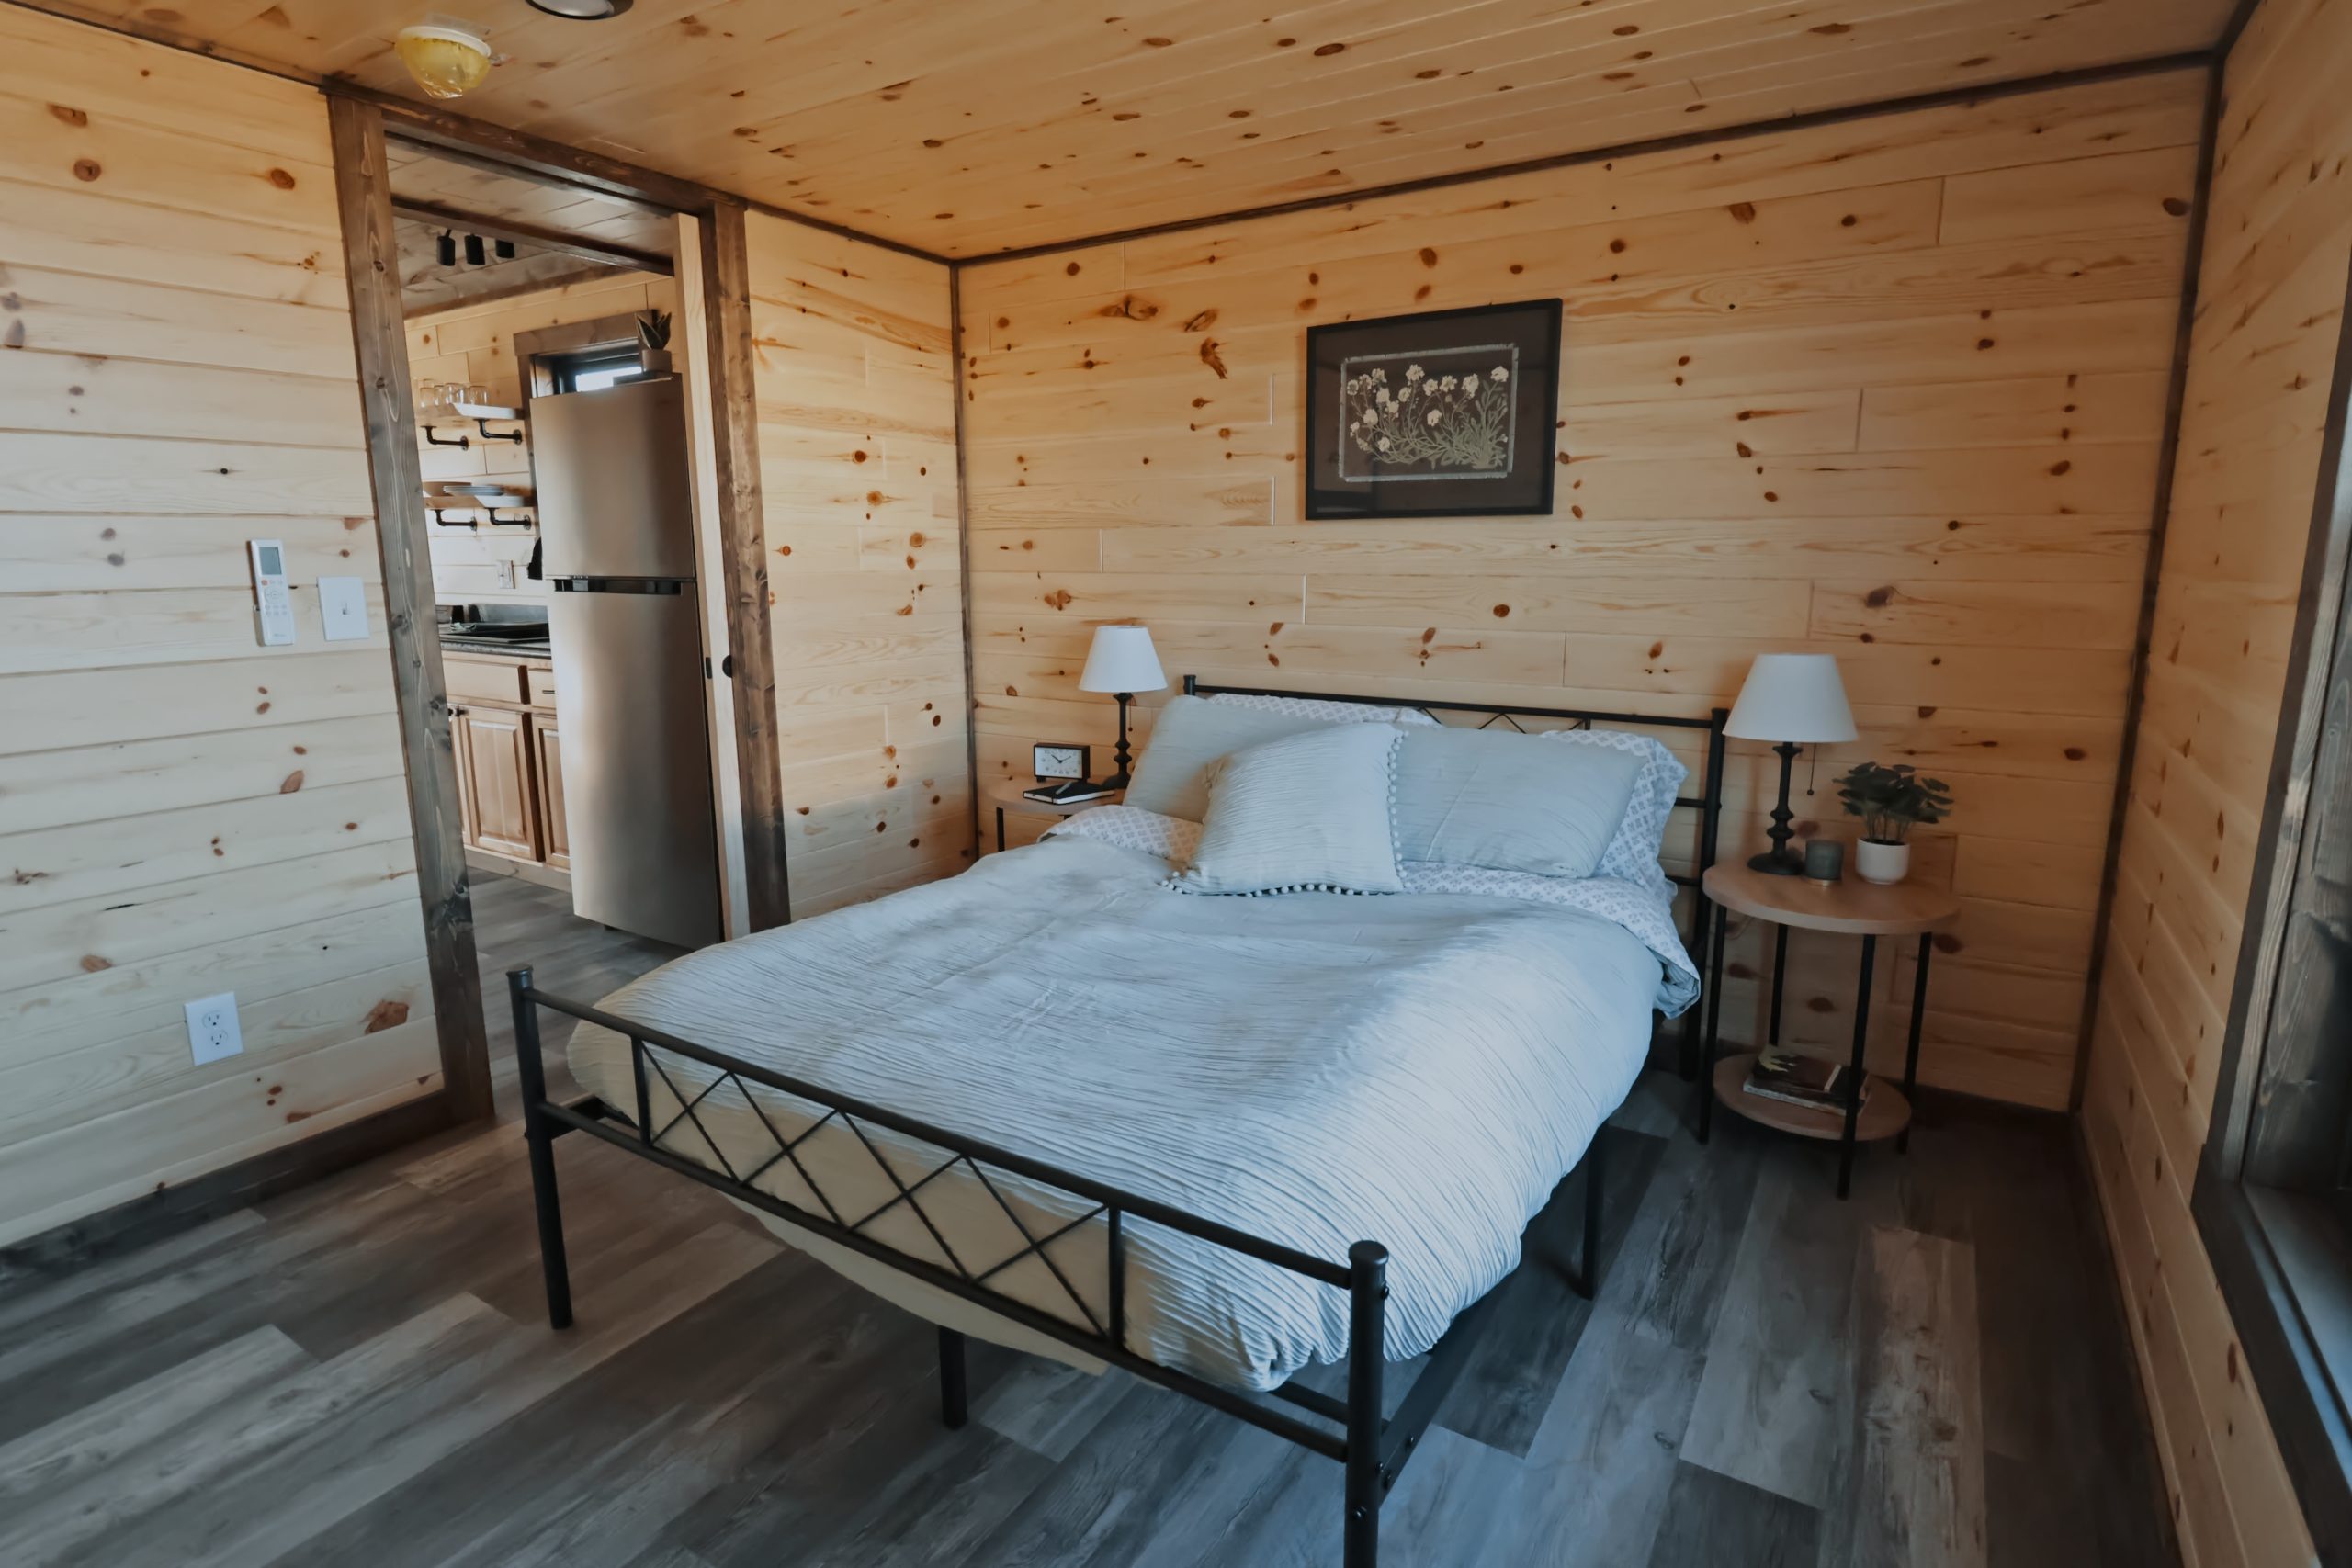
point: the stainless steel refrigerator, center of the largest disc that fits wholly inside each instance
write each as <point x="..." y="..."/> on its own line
<point x="617" y="550"/>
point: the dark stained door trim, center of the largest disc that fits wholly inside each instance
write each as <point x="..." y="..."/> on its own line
<point x="735" y="448"/>
<point x="371" y="258"/>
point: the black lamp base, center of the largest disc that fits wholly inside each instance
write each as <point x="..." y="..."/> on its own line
<point x="1773" y="863"/>
<point x="1119" y="775"/>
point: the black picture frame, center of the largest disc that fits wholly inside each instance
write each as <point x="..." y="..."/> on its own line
<point x="1484" y="463"/>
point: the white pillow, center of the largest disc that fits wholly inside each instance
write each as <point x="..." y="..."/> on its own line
<point x="1190" y="735"/>
<point x="1308" y="814"/>
<point x="1325" y="708"/>
<point x="1498" y="798"/>
<point x="1633" y="852"/>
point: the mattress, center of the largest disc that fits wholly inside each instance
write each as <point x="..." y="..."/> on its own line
<point x="1417" y="1070"/>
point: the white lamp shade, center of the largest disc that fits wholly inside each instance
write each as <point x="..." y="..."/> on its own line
<point x="1793" y="697"/>
<point x="1122" y="661"/>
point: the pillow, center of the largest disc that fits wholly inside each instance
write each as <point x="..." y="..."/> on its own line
<point x="1633" y="853"/>
<point x="1309" y="814"/>
<point x="1325" y="708"/>
<point x="1507" y="801"/>
<point x="1189" y="737"/>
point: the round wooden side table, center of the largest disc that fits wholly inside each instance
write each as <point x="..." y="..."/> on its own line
<point x="1852" y="908"/>
<point x="1005" y="796"/>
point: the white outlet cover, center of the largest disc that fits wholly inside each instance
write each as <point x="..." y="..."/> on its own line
<point x="343" y="607"/>
<point x="213" y="1033"/>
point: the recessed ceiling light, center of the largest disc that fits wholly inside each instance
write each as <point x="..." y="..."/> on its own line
<point x="583" y="10"/>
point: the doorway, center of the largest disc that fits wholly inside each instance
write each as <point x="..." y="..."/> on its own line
<point x="545" y="434"/>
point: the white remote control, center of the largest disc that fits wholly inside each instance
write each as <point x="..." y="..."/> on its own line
<point x="273" y="606"/>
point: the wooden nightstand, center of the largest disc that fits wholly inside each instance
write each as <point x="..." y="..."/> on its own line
<point x="1853" y="908"/>
<point x="1005" y="796"/>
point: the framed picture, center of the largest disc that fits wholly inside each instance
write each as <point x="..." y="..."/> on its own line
<point x="1448" y="414"/>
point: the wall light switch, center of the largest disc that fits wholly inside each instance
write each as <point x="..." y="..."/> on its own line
<point x="213" y="1033"/>
<point x="342" y="606"/>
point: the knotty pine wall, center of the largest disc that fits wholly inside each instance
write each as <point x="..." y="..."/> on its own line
<point x="1892" y="390"/>
<point x="854" y="375"/>
<point x="181" y="811"/>
<point x="2269" y="306"/>
<point x="475" y="344"/>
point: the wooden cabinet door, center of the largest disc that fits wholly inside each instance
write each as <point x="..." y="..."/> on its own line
<point x="494" y="758"/>
<point x="546" y="750"/>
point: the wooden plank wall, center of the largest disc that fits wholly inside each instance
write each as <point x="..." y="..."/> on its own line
<point x="475" y="344"/>
<point x="2269" y="308"/>
<point x="1892" y="390"/>
<point x="854" y="377"/>
<point x="181" y="811"/>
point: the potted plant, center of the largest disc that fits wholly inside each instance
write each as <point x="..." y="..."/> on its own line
<point x="653" y="337"/>
<point x="1890" y="802"/>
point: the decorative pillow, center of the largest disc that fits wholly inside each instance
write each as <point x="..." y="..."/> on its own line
<point x="1309" y="814"/>
<point x="1125" y="826"/>
<point x="1498" y="798"/>
<point x="1190" y="735"/>
<point x="1633" y="853"/>
<point x="1325" y="709"/>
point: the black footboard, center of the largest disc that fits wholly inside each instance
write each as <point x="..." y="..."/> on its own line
<point x="1371" y="1447"/>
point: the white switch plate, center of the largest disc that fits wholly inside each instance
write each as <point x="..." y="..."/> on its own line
<point x="212" y="1030"/>
<point x="343" y="607"/>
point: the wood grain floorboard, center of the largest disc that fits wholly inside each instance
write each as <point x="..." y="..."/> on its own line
<point x="359" y="1375"/>
<point x="1915" y="1459"/>
<point x="1769" y="1402"/>
<point x="1713" y="1520"/>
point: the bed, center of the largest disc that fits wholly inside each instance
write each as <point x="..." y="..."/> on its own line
<point x="1217" y="1141"/>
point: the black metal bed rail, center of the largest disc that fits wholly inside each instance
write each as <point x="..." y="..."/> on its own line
<point x="1372" y="1448"/>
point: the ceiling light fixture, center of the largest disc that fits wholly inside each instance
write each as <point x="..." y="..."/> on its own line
<point x="446" y="247"/>
<point x="583" y="10"/>
<point x="447" y="58"/>
<point x="475" y="254"/>
<point x="504" y="249"/>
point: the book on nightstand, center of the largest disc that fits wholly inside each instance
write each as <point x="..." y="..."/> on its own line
<point x="1070" y="792"/>
<point x="1801" y="1081"/>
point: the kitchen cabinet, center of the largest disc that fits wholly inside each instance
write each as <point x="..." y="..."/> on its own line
<point x="505" y="728"/>
<point x="547" y="752"/>
<point x="494" y="761"/>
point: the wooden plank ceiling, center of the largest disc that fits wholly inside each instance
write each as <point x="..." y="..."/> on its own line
<point x="969" y="126"/>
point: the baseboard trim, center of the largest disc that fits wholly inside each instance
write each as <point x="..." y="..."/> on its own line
<point x="154" y="1215"/>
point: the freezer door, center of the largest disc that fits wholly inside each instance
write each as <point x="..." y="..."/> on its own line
<point x="614" y="498"/>
<point x="637" y="796"/>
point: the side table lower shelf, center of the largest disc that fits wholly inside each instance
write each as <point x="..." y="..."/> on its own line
<point x="1885" y="1113"/>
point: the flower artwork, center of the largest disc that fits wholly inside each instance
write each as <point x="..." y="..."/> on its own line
<point x="1444" y="414"/>
<point x="1458" y="423"/>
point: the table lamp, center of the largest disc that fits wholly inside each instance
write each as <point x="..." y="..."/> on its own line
<point x="1792" y="699"/>
<point x="1123" y="664"/>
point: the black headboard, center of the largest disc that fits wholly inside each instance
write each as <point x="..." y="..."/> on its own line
<point x="1708" y="803"/>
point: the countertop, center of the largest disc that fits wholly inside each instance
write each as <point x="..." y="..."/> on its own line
<point x="509" y="647"/>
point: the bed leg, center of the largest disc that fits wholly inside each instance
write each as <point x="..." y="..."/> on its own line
<point x="532" y="1071"/>
<point x="1587" y="1279"/>
<point x="954" y="1404"/>
<point x="1367" y="1357"/>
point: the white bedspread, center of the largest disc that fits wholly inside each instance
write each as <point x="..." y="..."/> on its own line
<point x="1417" y="1070"/>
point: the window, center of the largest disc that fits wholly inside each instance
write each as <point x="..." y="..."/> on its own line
<point x="2273" y="1198"/>
<point x="593" y="370"/>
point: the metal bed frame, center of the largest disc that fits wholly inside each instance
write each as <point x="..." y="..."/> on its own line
<point x="1372" y="1448"/>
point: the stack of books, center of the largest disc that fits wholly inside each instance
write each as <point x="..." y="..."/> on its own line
<point x="1801" y="1081"/>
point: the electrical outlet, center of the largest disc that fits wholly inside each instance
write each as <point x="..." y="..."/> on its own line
<point x="212" y="1030"/>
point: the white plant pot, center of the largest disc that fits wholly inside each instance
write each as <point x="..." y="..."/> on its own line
<point x="1885" y="864"/>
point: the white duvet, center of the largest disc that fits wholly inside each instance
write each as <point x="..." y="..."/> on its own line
<point x="1419" y="1070"/>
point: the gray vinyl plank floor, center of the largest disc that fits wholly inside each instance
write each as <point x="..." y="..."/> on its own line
<point x="358" y="1376"/>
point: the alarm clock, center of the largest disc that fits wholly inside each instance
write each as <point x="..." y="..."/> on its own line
<point x="1052" y="761"/>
